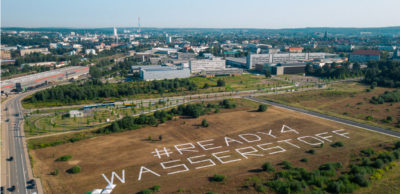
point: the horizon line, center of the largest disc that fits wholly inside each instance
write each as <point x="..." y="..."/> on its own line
<point x="371" y="27"/>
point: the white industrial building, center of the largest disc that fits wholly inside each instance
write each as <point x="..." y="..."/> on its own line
<point x="198" y="66"/>
<point x="159" y="72"/>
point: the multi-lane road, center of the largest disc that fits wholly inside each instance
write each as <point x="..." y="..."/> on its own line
<point x="16" y="172"/>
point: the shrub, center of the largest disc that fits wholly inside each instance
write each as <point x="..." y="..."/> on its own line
<point x="64" y="158"/>
<point x="204" y="123"/>
<point x="146" y="191"/>
<point x="286" y="165"/>
<point x="156" y="188"/>
<point x="55" y="172"/>
<point x="360" y="180"/>
<point x="260" y="188"/>
<point x="397" y="145"/>
<point x="337" y="144"/>
<point x="304" y="160"/>
<point x="268" y="167"/>
<point x="218" y="178"/>
<point x="262" y="108"/>
<point x="220" y="83"/>
<point x="311" y="151"/>
<point x="74" y="170"/>
<point x="368" y="152"/>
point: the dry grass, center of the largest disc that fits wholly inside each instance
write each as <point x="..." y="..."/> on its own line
<point x="130" y="150"/>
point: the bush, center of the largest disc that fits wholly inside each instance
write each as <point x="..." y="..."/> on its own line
<point x="64" y="158"/>
<point x="286" y="165"/>
<point x="156" y="188"/>
<point x="311" y="151"/>
<point x="220" y="83"/>
<point x="74" y="170"/>
<point x="55" y="172"/>
<point x="304" y="160"/>
<point x="204" y="123"/>
<point x="360" y="180"/>
<point x="368" y="152"/>
<point x="337" y="144"/>
<point x="217" y="178"/>
<point x="227" y="104"/>
<point x="268" y="167"/>
<point x="146" y="191"/>
<point x="397" y="145"/>
<point x="262" y="108"/>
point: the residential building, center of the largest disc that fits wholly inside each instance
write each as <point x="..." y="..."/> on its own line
<point x="363" y="56"/>
<point x="24" y="52"/>
<point x="296" y="50"/>
<point x="5" y="54"/>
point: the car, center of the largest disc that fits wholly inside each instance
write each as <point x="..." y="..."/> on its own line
<point x="32" y="181"/>
<point x="7" y="120"/>
<point x="10" y="158"/>
<point x="1" y="189"/>
<point x="11" y="189"/>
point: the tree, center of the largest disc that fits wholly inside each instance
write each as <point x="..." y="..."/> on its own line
<point x="262" y="108"/>
<point x="220" y="83"/>
<point x="267" y="73"/>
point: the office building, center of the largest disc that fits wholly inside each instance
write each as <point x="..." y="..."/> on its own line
<point x="253" y="59"/>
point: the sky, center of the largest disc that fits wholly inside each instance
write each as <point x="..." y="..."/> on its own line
<point x="266" y="14"/>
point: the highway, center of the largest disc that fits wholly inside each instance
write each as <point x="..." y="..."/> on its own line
<point x="328" y="117"/>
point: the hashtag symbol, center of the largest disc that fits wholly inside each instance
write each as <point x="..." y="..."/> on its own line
<point x="163" y="152"/>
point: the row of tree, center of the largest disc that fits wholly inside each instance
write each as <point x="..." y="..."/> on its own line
<point x="335" y="71"/>
<point x="192" y="110"/>
<point x="94" y="89"/>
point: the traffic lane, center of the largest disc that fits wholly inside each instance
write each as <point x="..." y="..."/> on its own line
<point x="337" y="119"/>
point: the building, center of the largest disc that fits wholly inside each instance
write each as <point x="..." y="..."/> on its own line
<point x="90" y="51"/>
<point x="363" y="56"/>
<point x="75" y="113"/>
<point x="396" y="55"/>
<point x="296" y="50"/>
<point x="5" y="54"/>
<point x="48" y="63"/>
<point x="253" y="59"/>
<point x="158" y="72"/>
<point x="290" y="68"/>
<point x="236" y="62"/>
<point x="198" y="66"/>
<point x="24" y="52"/>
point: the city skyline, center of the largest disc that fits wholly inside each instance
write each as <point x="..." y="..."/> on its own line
<point x="205" y="14"/>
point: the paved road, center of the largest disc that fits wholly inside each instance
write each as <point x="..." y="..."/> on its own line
<point x="17" y="169"/>
<point x="324" y="116"/>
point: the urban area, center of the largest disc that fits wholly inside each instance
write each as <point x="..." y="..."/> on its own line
<point x="200" y="110"/>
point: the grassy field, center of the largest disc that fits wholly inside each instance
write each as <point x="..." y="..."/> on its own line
<point x="131" y="150"/>
<point x="347" y="100"/>
<point x="43" y="122"/>
<point x="232" y="83"/>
